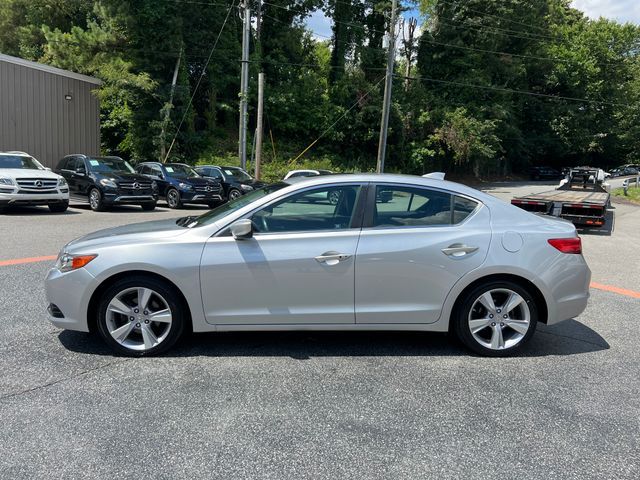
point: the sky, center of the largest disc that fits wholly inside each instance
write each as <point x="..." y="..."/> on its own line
<point x="620" y="10"/>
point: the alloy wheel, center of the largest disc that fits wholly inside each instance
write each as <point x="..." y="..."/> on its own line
<point x="138" y="318"/>
<point x="499" y="319"/>
<point x="94" y="199"/>
<point x="173" y="198"/>
<point x="233" y="194"/>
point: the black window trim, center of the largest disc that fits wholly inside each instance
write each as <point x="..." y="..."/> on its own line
<point x="357" y="216"/>
<point x="371" y="201"/>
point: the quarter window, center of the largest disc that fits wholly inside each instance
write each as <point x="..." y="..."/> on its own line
<point x="326" y="208"/>
<point x="400" y="206"/>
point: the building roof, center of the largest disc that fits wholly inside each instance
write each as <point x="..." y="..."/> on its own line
<point x="48" y="69"/>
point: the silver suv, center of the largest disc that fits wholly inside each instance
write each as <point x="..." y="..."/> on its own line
<point x="24" y="181"/>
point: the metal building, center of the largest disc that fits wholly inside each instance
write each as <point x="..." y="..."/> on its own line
<point x="47" y="112"/>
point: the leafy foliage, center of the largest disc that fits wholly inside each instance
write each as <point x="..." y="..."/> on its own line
<point x="493" y="87"/>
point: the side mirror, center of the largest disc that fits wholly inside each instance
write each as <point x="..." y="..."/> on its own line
<point x="242" y="229"/>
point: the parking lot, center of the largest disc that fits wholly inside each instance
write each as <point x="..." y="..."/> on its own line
<point x="317" y="405"/>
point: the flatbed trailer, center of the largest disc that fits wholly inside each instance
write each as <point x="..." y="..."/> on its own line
<point x="581" y="199"/>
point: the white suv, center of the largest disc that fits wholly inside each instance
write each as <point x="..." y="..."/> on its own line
<point x="24" y="181"/>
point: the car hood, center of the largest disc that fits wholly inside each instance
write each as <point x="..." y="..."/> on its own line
<point x="117" y="176"/>
<point x="156" y="230"/>
<point x="28" y="173"/>
<point x="195" y="181"/>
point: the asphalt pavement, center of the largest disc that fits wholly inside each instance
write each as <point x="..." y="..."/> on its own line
<point x="317" y="405"/>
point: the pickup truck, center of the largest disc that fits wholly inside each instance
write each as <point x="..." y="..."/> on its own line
<point x="582" y="198"/>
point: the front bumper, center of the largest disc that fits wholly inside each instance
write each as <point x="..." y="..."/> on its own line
<point x="117" y="198"/>
<point x="70" y="295"/>
<point x="56" y="196"/>
<point x="200" y="197"/>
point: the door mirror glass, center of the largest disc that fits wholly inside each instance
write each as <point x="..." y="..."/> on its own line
<point x="242" y="229"/>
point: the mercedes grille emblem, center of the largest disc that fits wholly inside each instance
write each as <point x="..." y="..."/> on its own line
<point x="39" y="183"/>
<point x="136" y="185"/>
<point x="209" y="188"/>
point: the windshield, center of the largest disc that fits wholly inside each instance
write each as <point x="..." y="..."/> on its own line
<point x="108" y="165"/>
<point x="19" y="161"/>
<point x="179" y="170"/>
<point x="222" y="211"/>
<point x="237" y="173"/>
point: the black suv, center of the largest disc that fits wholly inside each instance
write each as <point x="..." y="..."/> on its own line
<point x="106" y="181"/>
<point x="235" y="181"/>
<point x="178" y="183"/>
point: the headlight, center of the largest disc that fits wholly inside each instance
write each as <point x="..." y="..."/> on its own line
<point x="246" y="188"/>
<point x="67" y="262"/>
<point x="7" y="181"/>
<point x="185" y="186"/>
<point x="62" y="182"/>
<point x="105" y="182"/>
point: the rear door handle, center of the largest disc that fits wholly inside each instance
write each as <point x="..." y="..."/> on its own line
<point x="332" y="258"/>
<point x="458" y="250"/>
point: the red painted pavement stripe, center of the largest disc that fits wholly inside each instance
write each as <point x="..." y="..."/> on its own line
<point x="618" y="290"/>
<point x="20" y="261"/>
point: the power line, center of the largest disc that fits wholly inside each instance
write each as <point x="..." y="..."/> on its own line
<point x="510" y="90"/>
<point x="204" y="69"/>
<point x="327" y="130"/>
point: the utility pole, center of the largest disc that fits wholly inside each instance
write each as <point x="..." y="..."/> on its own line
<point x="388" y="83"/>
<point x="259" y="124"/>
<point x="244" y="86"/>
<point x="168" y="108"/>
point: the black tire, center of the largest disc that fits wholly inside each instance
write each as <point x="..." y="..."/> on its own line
<point x="234" y="193"/>
<point x="148" y="207"/>
<point x="461" y="316"/>
<point x="173" y="198"/>
<point x="96" y="200"/>
<point x="172" y="298"/>
<point x="59" y="207"/>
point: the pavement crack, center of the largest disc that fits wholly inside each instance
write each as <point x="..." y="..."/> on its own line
<point x="61" y="380"/>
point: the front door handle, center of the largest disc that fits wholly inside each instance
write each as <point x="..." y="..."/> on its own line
<point x="458" y="250"/>
<point x="332" y="258"/>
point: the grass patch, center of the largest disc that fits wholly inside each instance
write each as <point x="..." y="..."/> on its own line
<point x="633" y="194"/>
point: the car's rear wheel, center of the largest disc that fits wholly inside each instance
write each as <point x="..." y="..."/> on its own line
<point x="173" y="198"/>
<point x="96" y="201"/>
<point x="140" y="316"/>
<point x="496" y="319"/>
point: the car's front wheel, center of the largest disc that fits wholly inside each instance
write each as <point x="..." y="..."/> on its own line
<point x="496" y="319"/>
<point x="59" y="207"/>
<point x="233" y="194"/>
<point x="173" y="198"/>
<point x="96" y="201"/>
<point x="140" y="316"/>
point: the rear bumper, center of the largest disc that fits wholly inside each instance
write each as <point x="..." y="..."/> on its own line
<point x="568" y="290"/>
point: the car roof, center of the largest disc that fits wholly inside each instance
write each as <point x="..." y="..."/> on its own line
<point x="392" y="178"/>
<point x="16" y="153"/>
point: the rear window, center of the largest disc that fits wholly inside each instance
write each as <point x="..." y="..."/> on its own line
<point x="400" y="206"/>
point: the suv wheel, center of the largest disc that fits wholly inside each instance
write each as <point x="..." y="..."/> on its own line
<point x="59" y="207"/>
<point x="173" y="198"/>
<point x="96" y="201"/>
<point x="496" y="319"/>
<point x="234" y="193"/>
<point x="140" y="316"/>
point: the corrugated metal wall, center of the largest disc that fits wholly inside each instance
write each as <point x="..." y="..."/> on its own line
<point x="36" y="118"/>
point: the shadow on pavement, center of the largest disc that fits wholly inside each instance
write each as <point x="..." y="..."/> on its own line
<point x="26" y="211"/>
<point x="567" y="338"/>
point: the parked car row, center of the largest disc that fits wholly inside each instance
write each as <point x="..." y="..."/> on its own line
<point x="103" y="182"/>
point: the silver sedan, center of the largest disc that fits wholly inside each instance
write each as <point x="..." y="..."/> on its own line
<point x="392" y="253"/>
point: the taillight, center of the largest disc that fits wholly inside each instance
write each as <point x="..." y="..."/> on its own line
<point x="567" y="245"/>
